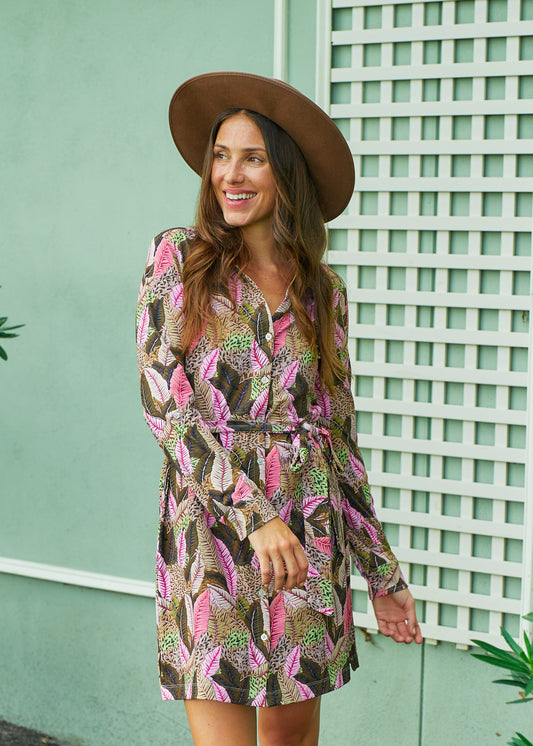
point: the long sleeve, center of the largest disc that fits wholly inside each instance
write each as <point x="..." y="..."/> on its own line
<point x="368" y="543"/>
<point x="168" y="397"/>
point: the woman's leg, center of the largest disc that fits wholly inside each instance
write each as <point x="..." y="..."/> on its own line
<point x="290" y="725"/>
<point x="221" y="723"/>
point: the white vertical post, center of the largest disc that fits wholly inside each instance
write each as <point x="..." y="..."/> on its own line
<point x="323" y="53"/>
<point x="280" y="39"/>
<point x="527" y="578"/>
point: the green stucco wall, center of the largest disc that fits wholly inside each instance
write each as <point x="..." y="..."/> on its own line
<point x="90" y="175"/>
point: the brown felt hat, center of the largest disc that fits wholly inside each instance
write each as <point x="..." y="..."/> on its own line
<point x="197" y="102"/>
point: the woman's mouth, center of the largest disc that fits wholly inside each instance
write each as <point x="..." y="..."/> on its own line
<point x="240" y="196"/>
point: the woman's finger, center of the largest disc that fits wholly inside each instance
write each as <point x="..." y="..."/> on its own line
<point x="292" y="569"/>
<point x="279" y="571"/>
<point x="266" y="570"/>
<point x="302" y="562"/>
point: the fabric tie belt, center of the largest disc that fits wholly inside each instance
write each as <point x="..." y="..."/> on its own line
<point x="308" y="437"/>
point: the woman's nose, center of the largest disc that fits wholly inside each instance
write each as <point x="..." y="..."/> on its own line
<point x="234" y="172"/>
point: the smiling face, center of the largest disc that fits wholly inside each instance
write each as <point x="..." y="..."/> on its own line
<point x="241" y="176"/>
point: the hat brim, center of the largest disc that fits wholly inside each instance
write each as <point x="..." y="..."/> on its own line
<point x="199" y="100"/>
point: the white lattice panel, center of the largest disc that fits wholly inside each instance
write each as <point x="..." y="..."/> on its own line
<point x="436" y="100"/>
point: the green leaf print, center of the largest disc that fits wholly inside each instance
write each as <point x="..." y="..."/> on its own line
<point x="258" y="386"/>
<point x="170" y="641"/>
<point x="365" y="489"/>
<point x="327" y="592"/>
<point x="238" y="341"/>
<point x="320" y="481"/>
<point x="384" y="569"/>
<point x="308" y="357"/>
<point x="314" y="635"/>
<point x="237" y="639"/>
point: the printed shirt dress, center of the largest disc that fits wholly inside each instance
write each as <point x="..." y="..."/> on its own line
<point x="249" y="434"/>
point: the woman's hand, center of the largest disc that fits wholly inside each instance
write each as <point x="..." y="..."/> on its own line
<point x="396" y="616"/>
<point x="275" y="544"/>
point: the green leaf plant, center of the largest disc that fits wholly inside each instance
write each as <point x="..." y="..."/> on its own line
<point x="6" y="332"/>
<point x="519" y="662"/>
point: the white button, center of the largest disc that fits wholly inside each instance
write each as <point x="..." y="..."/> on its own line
<point x="268" y="336"/>
<point x="264" y="379"/>
<point x="264" y="637"/>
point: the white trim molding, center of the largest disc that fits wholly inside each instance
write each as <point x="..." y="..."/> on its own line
<point x="281" y="23"/>
<point x="81" y="578"/>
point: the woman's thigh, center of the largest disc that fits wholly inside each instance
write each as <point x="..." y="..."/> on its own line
<point x="290" y="725"/>
<point x="221" y="723"/>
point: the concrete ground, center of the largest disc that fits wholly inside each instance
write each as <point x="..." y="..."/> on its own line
<point x="14" y="735"/>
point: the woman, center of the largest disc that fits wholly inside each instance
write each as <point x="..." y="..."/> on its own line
<point x="245" y="382"/>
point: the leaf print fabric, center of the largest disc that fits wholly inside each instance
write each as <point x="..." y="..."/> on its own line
<point x="249" y="434"/>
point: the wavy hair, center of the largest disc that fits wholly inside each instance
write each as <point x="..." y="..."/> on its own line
<point x="300" y="236"/>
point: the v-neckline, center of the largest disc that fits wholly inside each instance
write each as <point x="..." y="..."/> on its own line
<point x="271" y="312"/>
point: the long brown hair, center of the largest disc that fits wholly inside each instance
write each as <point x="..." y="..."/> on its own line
<point x="299" y="233"/>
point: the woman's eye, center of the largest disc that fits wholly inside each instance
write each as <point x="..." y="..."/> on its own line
<point x="256" y="159"/>
<point x="220" y="155"/>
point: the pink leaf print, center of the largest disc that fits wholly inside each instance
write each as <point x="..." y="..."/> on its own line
<point x="208" y="368"/>
<point x="255" y="562"/>
<point x="280" y="332"/>
<point x="310" y="504"/>
<point x="209" y="518"/>
<point x="228" y="566"/>
<point x="211" y="662"/>
<point x="335" y="297"/>
<point x="220" y="304"/>
<point x="323" y="544"/>
<point x="371" y="531"/>
<point x="285" y="512"/>
<point x="163" y="578"/>
<point x="166" y="694"/>
<point x="183" y="457"/>
<point x="142" y="327"/>
<point x="324" y="402"/>
<point x="259" y="407"/>
<point x="221" y="694"/>
<point x="339" y="335"/>
<point x="180" y="388"/>
<point x="255" y="656"/>
<point x="241" y="492"/>
<point x="184" y="651"/>
<point x="292" y="662"/>
<point x="312" y="572"/>
<point x="330" y="647"/>
<point x="339" y="680"/>
<point x="197" y="573"/>
<point x="277" y="620"/>
<point x="353" y="517"/>
<point x="156" y="424"/>
<point x="226" y="437"/>
<point x="198" y="337"/>
<point x="347" y="612"/>
<point x="181" y="549"/>
<point x="257" y="357"/>
<point x="172" y="505"/>
<point x="260" y="698"/>
<point x="305" y="691"/>
<point x="357" y="466"/>
<point x="220" y="405"/>
<point x="201" y="615"/>
<point x="235" y="288"/>
<point x="288" y="376"/>
<point x="292" y="414"/>
<point x="157" y="384"/>
<point x="221" y="474"/>
<point x="221" y="598"/>
<point x="164" y="257"/>
<point x="296" y="598"/>
<point x="176" y="295"/>
<point x="273" y="472"/>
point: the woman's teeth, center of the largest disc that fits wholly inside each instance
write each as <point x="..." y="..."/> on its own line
<point x="239" y="196"/>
